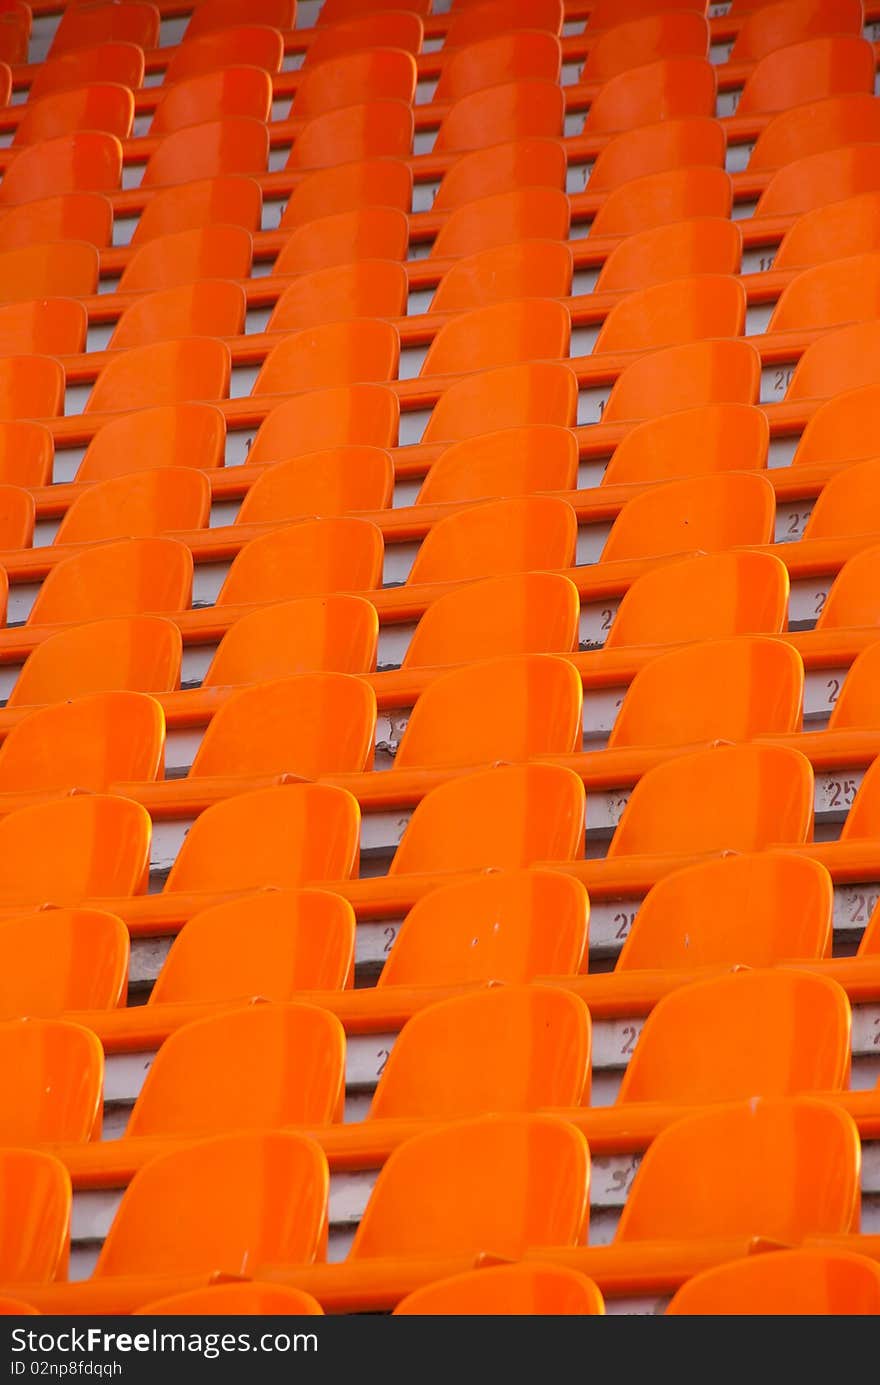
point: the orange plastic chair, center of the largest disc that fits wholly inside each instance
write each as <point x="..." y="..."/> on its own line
<point x="317" y="419"/>
<point x="261" y="1068"/>
<point x="247" y="1299"/>
<point x="470" y="23"/>
<point x="827" y="295"/>
<point x="861" y="818"/>
<point x="526" y="213"/>
<point x="314" y="557"/>
<point x="363" y="130"/>
<point x="110" y="61"/>
<point x="211" y="308"/>
<point x="167" y="372"/>
<point x="106" y="106"/>
<point x="534" y="1047"/>
<point x="235" y="144"/>
<point x="505" y="818"/>
<point x="397" y="28"/>
<point x="36" y="1216"/>
<point x="62" y="959"/>
<point x="26" y="453"/>
<point x="223" y="14"/>
<point x="337" y="481"/>
<point x="729" y="690"/>
<point x="131" y="653"/>
<point x="518" y="707"/>
<point x="856" y="705"/>
<point x="841" y="359"/>
<point x="543" y="267"/>
<point x="779" y="25"/>
<point x="778" y="1169"/>
<point x="682" y="310"/>
<point x="511" y="461"/>
<point x="87" y="744"/>
<point x="309" y="725"/>
<point x="351" y="78"/>
<point x="520" y="56"/>
<point x="81" y="26"/>
<point x="128" y="578"/>
<point x="255" y="45"/>
<point x="30" y="387"/>
<point x="846" y="503"/>
<point x="271" y="1189"/>
<point x="509" y="1290"/>
<point x="281" y="837"/>
<point x="338" y="353"/>
<point x="522" y="534"/>
<point x="361" y="183"/>
<point x="43" y="326"/>
<point x="516" y="613"/>
<point x="366" y="233"/>
<point x="362" y="289"/>
<point x="703" y="245"/>
<point x="138" y="505"/>
<point x="852" y="600"/>
<point x="529" y="162"/>
<point x="668" y="34"/>
<point x="72" y="216"/>
<point x="272" y="944"/>
<point x="727" y="798"/>
<point x="706" y="440"/>
<point x="17" y="513"/>
<point x="52" y="1082"/>
<point x="814" y="1283"/>
<point x="85" y="161"/>
<point x="813" y="127"/>
<point x="818" y="179"/>
<point x="712" y="513"/>
<point x="691" y="142"/>
<point x="804" y="71"/>
<point x="770" y="1033"/>
<point x="763" y="908"/>
<point x="229" y="200"/>
<point x="509" y="396"/>
<point x="500" y="334"/>
<point x="100" y="848"/>
<point x="832" y="232"/>
<point x="176" y="435"/>
<point x="231" y="92"/>
<point x="510" y="110"/>
<point x="680" y="377"/>
<point x="666" y="89"/>
<point x="335" y="634"/>
<point x="492" y="927"/>
<point x="182" y="257"/>
<point x="49" y="271"/>
<point x="660" y="199"/>
<point x="496" y="1184"/>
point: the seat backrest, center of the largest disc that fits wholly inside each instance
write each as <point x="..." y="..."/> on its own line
<point x="37" y="1200"/>
<point x="505" y="271"/>
<point x="470" y="23"/>
<point x="829" y="232"/>
<point x="263" y="1067"/>
<point x="691" y="442"/>
<point x="257" y="45"/>
<point x="692" y="514"/>
<point x="113" y="60"/>
<point x="361" y="183"/>
<point x="727" y="798"/>
<point x="842" y="429"/>
<point x="516" y="707"/>
<point x="50" y="270"/>
<point x="816" y="180"/>
<point x="511" y="461"/>
<point x="498" y="334"/>
<point x="398" y="28"/>
<point x="826" y="295"/>
<point x="777" y="26"/>
<point x="271" y="944"/>
<point x="62" y="959"/>
<point x="661" y="199"/>
<point x="52" y="1082"/>
<point x="842" y="359"/>
<point x="505" y="817"/>
<point x="82" y="26"/>
<point x="521" y="534"/>
<point x="516" y="613"/>
<point x="496" y="219"/>
<point x="803" y="71"/>
<point x="310" y="725"/>
<point x="89" y="744"/>
<point x="44" y="326"/>
<point x="846" y="503"/>
<point x="667" y="88"/>
<point x="530" y="162"/>
<point x="534" y="1047"/>
<point x="362" y="130"/>
<point x="692" y="142"/>
<point x="229" y="199"/>
<point x="85" y="161"/>
<point x="336" y="353"/>
<point x="780" y="1169"/>
<point x="338" y="238"/>
<point x="522" y="1290"/>
<point x="682" y="310"/>
<point x="508" y="397"/>
<point x="803" y="1282"/>
<point x="166" y="372"/>
<point x="767" y="907"/>
<point x="507" y="110"/>
<point x="681" y="377"/>
<point x="245" y="1297"/>
<point x="700" y="245"/>
<point x="224" y="14"/>
<point x="336" y="634"/>
<point x="176" y="435"/>
<point x="128" y="578"/>
<point x="31" y="387"/>
<point x="316" y="419"/>
<point x="74" y="216"/>
<point x="285" y="836"/>
<point x="497" y="1184"/>
<point x="389" y="73"/>
<point x="634" y="42"/>
<point x="492" y="928"/>
<point x="26" y="453"/>
<point x="216" y="251"/>
<point x="312" y="558"/>
<point x="770" y="1033"/>
<point x="271" y="1189"/>
<point x="106" y="106"/>
<point x="522" y="55"/>
<point x="17" y="517"/>
<point x="233" y="91"/>
<point x="211" y="308"/>
<point x="100" y="849"/>
<point x="861" y="820"/>
<point x="852" y="599"/>
<point x="361" y="289"/>
<point x="138" y="505"/>
<point x="813" y="127"/>
<point x="234" y="144"/>
<point x="128" y="653"/>
<point x="336" y="481"/>
<point x="856" y="707"/>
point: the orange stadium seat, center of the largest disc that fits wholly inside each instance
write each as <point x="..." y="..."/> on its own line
<point x="367" y="288"/>
<point x="360" y="183"/>
<point x="36" y="1216"/>
<point x="166" y="372"/>
<point x="528" y="213"/>
<point x="224" y="14"/>
<point x="504" y="272"/>
<point x="335" y="634"/>
<point x="680" y="377"/>
<point x="799" y="72"/>
<point x="233" y="91"/>
<point x="704" y="245"/>
<point x="515" y="613"/>
<point x="362" y="350"/>
<point x="691" y="442"/>
<point x="106" y="106"/>
<point x="181" y="257"/>
<point x="52" y="1082"/>
<point x="659" y="199"/>
<point x="314" y="557"/>
<point x="62" y="959"/>
<point x="252" y="45"/>
<point x="791" y="1282"/>
<point x="521" y="534"/>
<point x="351" y="78"/>
<point x="365" y="233"/>
<point x="111" y="60"/>
<point x="209" y="308"/>
<point x="43" y="326"/>
<point x="88" y="743"/>
<point x="235" y="144"/>
<point x="137" y="505"/>
<point x="512" y="164"/>
<point x="101" y="848"/>
<point x="26" y="453"/>
<point x="813" y="127"/>
<point x="711" y="513"/>
<point x="521" y="1290"/>
<point x="517" y="56"/>
<point x="137" y="653"/>
<point x="230" y="199"/>
<point x="83" y="25"/>
<point x="317" y="419"/>
<point x="656" y="90"/>
<point x="511" y="461"/>
<point x="364" y="130"/>
<point x="333" y="482"/>
<point x="506" y="397"/>
<point x="500" y="334"/>
<point x="127" y="578"/>
<point x="71" y="216"/>
<point x="85" y="161"/>
<point x="669" y="34"/>
<point x="175" y="435"/>
<point x="398" y="28"/>
<point x="244" y="1299"/>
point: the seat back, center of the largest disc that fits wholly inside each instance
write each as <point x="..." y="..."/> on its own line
<point x="127" y="578"/>
<point x="512" y="461"/>
<point x="100" y="849"/>
<point x="312" y="558"/>
<point x="701" y="245"/>
<point x="691" y="442"/>
<point x="500" y="334"/>
<point x="89" y="744"/>
<point x="166" y="372"/>
<point x="667" y="88"/>
<point x="336" y="634"/>
<point x="814" y="1282"/>
<point x="337" y="481"/>
<point x="521" y="534"/>
<point x="35" y="1223"/>
<point x="229" y="199"/>
<point x="175" y="435"/>
<point x="524" y="1289"/>
<point x="496" y="219"/>
<point x="361" y="183"/>
<point x="517" y="613"/>
<point x="503" y="272"/>
<point x="362" y="289"/>
<point x="337" y="353"/>
<point x="362" y="130"/>
<point x="139" y="504"/>
<point x="507" y="110"/>
<point x="215" y="251"/>
<point x="846" y="503"/>
<point x="52" y="1082"/>
<point x="315" y="419"/>
<point x="139" y="654"/>
<point x="328" y="241"/>
<point x="799" y="72"/>
<point x="681" y="377"/>
<point x="233" y="144"/>
<point x="62" y="959"/>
